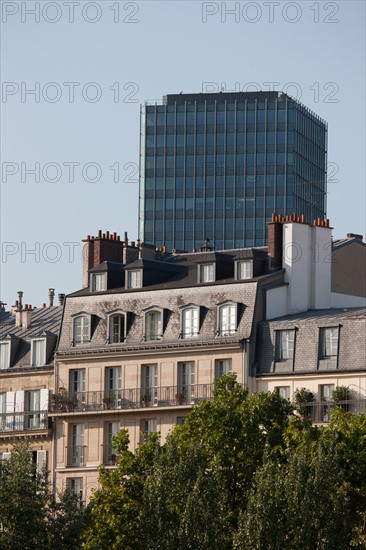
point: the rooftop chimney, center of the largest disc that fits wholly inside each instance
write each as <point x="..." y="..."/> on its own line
<point x="20" y="296"/>
<point x="61" y="299"/>
<point x="103" y="248"/>
<point x="51" y="296"/>
<point x="355" y="236"/>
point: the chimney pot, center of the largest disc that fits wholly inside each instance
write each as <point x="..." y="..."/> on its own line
<point x="61" y="299"/>
<point x="44" y="305"/>
<point x="51" y="295"/>
<point x="107" y="234"/>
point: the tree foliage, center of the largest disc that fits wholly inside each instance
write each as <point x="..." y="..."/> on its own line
<point x="30" y="516"/>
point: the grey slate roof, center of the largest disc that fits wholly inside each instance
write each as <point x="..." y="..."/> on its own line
<point x="44" y="321"/>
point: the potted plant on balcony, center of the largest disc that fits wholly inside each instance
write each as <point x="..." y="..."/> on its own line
<point x="302" y="400"/>
<point x="145" y="399"/>
<point x="180" y="397"/>
<point x="341" y="396"/>
<point x="59" y="400"/>
<point x="108" y="400"/>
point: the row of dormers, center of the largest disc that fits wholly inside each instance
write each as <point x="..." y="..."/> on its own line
<point x="41" y="350"/>
<point x="155" y="320"/>
<point x="145" y="272"/>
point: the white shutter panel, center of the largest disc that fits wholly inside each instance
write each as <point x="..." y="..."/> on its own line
<point x="19" y="407"/>
<point x="44" y="400"/>
<point x="41" y="460"/>
<point x="6" y="456"/>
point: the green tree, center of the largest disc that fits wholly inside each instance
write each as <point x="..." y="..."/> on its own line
<point x="30" y="517"/>
<point x="23" y="502"/>
<point x="117" y="506"/>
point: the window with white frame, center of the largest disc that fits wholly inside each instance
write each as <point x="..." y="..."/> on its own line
<point x="227" y="319"/>
<point x="285" y="340"/>
<point x="111" y="430"/>
<point x="329" y="342"/>
<point x="153" y="325"/>
<point x="99" y="281"/>
<point x="77" y="384"/>
<point x="81" y="329"/>
<point x="190" y="322"/>
<point x="4" y="355"/>
<point x="222" y="366"/>
<point x="244" y="269"/>
<point x="32" y="409"/>
<point x="149" y="385"/>
<point x="206" y="273"/>
<point x="186" y="382"/>
<point x="148" y="426"/>
<point x="75" y="486"/>
<point x="38" y="352"/>
<point x="77" y="455"/>
<point x="2" y="410"/>
<point x="283" y="391"/>
<point x="117" y="328"/>
<point x="112" y="385"/>
<point x="134" y="279"/>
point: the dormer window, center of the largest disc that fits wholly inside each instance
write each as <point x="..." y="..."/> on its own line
<point x="206" y="273"/>
<point x="117" y="327"/>
<point x="4" y="355"/>
<point x="134" y="279"/>
<point x="99" y="282"/>
<point x="38" y="352"/>
<point x="244" y="269"/>
<point x="227" y="319"/>
<point x="82" y="328"/>
<point x="190" y="322"/>
<point x="153" y="324"/>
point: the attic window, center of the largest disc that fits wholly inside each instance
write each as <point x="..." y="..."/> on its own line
<point x="4" y="355"/>
<point x="38" y="352"/>
<point x="81" y="327"/>
<point x="206" y="273"/>
<point x="134" y="279"/>
<point x="99" y="282"/>
<point x="244" y="269"/>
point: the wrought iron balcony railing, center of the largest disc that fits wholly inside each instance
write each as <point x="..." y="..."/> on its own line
<point x="24" y="421"/>
<point x="76" y="456"/>
<point x="134" y="398"/>
<point x="320" y="411"/>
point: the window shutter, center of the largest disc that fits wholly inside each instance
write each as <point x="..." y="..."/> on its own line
<point x="41" y="460"/>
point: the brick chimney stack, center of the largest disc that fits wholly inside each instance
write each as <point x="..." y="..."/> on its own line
<point x="275" y="241"/>
<point x="105" y="247"/>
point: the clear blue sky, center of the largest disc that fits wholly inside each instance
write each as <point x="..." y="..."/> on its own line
<point x="140" y="51"/>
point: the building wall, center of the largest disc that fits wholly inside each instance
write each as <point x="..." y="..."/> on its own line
<point x="349" y="269"/>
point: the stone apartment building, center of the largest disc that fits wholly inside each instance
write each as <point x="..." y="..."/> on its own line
<point x="28" y="338"/>
<point x="148" y="333"/>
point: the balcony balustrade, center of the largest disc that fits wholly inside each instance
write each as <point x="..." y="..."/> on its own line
<point x="134" y="398"/>
<point x="24" y="421"/>
<point x="320" y="411"/>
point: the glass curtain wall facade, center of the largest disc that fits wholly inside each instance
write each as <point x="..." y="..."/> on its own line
<point x="216" y="166"/>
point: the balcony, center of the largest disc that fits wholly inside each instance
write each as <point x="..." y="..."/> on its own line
<point x="319" y="412"/>
<point x="76" y="456"/>
<point x="135" y="398"/>
<point x="29" y="421"/>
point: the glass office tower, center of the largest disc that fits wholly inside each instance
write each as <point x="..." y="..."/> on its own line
<point x="215" y="166"/>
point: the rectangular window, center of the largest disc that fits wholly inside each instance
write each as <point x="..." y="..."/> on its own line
<point x="244" y="269"/>
<point x="207" y="273"/>
<point x="81" y="329"/>
<point x="112" y="387"/>
<point x="2" y="411"/>
<point x="186" y="382"/>
<point x="99" y="281"/>
<point x="38" y="352"/>
<point x="134" y="279"/>
<point x="153" y="325"/>
<point x="77" y="445"/>
<point x="117" y="328"/>
<point x="328" y="342"/>
<point x="148" y="426"/>
<point x="222" y="366"/>
<point x="110" y="454"/>
<point x="75" y="486"/>
<point x="284" y="391"/>
<point x="285" y="344"/>
<point x="4" y="355"/>
<point x="77" y="387"/>
<point x="149" y="385"/>
<point x="190" y="322"/>
<point x="32" y="409"/>
<point x="227" y="320"/>
<point x="180" y="420"/>
<point x="326" y="394"/>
